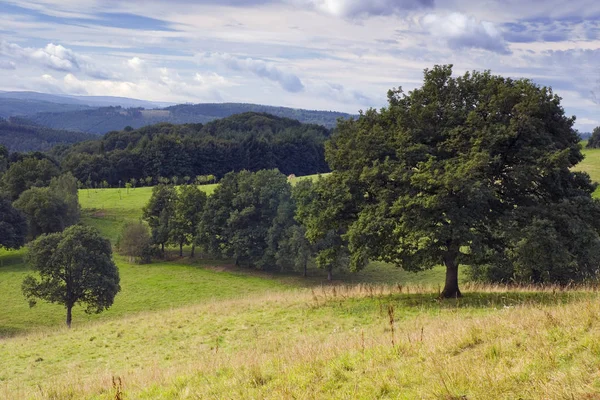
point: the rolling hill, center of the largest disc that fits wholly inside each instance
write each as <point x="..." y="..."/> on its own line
<point x="21" y="135"/>
<point x="107" y="119"/>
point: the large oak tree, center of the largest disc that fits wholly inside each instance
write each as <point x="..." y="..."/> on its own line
<point x="452" y="172"/>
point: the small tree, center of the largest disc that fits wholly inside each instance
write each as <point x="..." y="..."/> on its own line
<point x="188" y="212"/>
<point x="50" y="209"/>
<point x="324" y="209"/>
<point x="46" y="211"/>
<point x="27" y="173"/>
<point x="13" y="226"/>
<point x="594" y="140"/>
<point x="75" y="267"/>
<point x="159" y="213"/>
<point x="135" y="242"/>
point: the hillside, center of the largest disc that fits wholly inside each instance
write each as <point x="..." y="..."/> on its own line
<point x="22" y="107"/>
<point x="19" y="135"/>
<point x="106" y="119"/>
<point x="204" y="329"/>
<point x="250" y="141"/>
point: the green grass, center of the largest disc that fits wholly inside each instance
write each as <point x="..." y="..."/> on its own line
<point x="189" y="329"/>
<point x="324" y="343"/>
<point x="591" y="165"/>
<point x="109" y="209"/>
<point x="157" y="286"/>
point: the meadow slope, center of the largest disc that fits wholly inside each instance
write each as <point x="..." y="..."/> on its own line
<point x="361" y="342"/>
<point x="195" y="329"/>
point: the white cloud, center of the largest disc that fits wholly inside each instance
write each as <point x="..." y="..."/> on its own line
<point x="211" y="80"/>
<point x="287" y="80"/>
<point x="361" y="8"/>
<point x="136" y="64"/>
<point x="55" y="57"/>
<point x="461" y="31"/>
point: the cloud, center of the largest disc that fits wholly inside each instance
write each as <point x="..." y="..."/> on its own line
<point x="55" y="57"/>
<point x="464" y="32"/>
<point x="7" y="65"/>
<point x="211" y="80"/>
<point x="288" y="81"/>
<point x="136" y="64"/>
<point x="361" y="8"/>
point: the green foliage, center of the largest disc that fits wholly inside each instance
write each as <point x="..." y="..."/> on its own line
<point x="22" y="135"/>
<point x="445" y="171"/>
<point x="27" y="173"/>
<point x="189" y="206"/>
<point x="160" y="212"/>
<point x="240" y="214"/>
<point x="325" y="208"/>
<point x="75" y="267"/>
<point x="50" y="209"/>
<point x="556" y="243"/>
<point x="135" y="242"/>
<point x="248" y="141"/>
<point x="13" y="226"/>
<point x="594" y="140"/>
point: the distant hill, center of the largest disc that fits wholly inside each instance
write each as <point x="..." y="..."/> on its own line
<point x="10" y="107"/>
<point x="88" y="101"/>
<point x="213" y="111"/>
<point x="20" y="135"/>
<point x="107" y="119"/>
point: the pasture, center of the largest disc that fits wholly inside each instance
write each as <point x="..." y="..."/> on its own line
<point x="192" y="329"/>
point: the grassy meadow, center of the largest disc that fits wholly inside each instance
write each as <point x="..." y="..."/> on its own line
<point x="204" y="329"/>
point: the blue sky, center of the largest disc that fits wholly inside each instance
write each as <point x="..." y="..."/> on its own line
<point x="318" y="54"/>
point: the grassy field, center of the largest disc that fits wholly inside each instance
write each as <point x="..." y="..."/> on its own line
<point x="591" y="165"/>
<point x="358" y="342"/>
<point x="195" y="329"/>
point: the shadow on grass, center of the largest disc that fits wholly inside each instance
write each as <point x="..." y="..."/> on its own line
<point x="409" y="304"/>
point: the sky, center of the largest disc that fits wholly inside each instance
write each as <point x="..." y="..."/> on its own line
<point x="341" y="55"/>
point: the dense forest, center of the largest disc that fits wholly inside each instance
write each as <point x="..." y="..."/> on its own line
<point x="249" y="141"/>
<point x="21" y="135"/>
<point x="107" y="119"/>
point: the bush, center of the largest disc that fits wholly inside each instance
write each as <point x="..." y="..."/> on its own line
<point x="135" y="242"/>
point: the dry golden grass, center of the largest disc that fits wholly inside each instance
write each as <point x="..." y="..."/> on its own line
<point x="330" y="342"/>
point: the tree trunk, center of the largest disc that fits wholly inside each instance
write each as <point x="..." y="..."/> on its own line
<point x="305" y="269"/>
<point x="451" y="289"/>
<point x="162" y="249"/>
<point x="69" y="315"/>
<point x="193" y="249"/>
<point x="180" y="249"/>
<point x="329" y="275"/>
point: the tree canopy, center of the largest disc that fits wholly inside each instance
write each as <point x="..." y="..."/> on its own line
<point x="52" y="208"/>
<point x="239" y="216"/>
<point x="74" y="267"/>
<point x="459" y="171"/>
<point x="594" y="140"/>
<point x="13" y="226"/>
<point x="247" y="141"/>
<point x="27" y="173"/>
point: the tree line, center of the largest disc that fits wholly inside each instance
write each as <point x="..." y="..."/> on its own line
<point x="257" y="219"/>
<point x="474" y="170"/>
